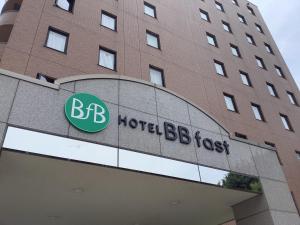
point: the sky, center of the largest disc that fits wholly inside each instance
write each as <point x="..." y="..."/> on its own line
<point x="283" y="19"/>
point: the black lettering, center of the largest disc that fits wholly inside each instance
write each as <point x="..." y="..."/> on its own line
<point x="143" y="124"/>
<point x="219" y="147"/>
<point x="170" y="131"/>
<point x="198" y="139"/>
<point x="123" y="120"/>
<point x="151" y="128"/>
<point x="184" y="135"/>
<point x="226" y="146"/>
<point x="133" y="123"/>
<point x="208" y="144"/>
<point x="158" y="132"/>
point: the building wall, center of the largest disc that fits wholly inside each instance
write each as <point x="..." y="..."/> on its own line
<point x="185" y="57"/>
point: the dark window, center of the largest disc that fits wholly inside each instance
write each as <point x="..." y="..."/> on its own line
<point x="272" y="90"/>
<point x="108" y="20"/>
<point x="279" y="71"/>
<point x="149" y="10"/>
<point x="251" y="11"/>
<point x="107" y="58"/>
<point x="260" y="62"/>
<point x="204" y="15"/>
<point x="250" y="39"/>
<point x="270" y="144"/>
<point x="245" y="79"/>
<point x="286" y="122"/>
<point x="257" y="111"/>
<point x="67" y="5"/>
<point x="235" y="2"/>
<point x="259" y="28"/>
<point x="219" y="6"/>
<point x="239" y="135"/>
<point x="156" y="75"/>
<point x="298" y="154"/>
<point x="242" y="19"/>
<point x="235" y="50"/>
<point x="269" y="48"/>
<point x="226" y="27"/>
<point x="57" y="40"/>
<point x="220" y="68"/>
<point x="292" y="98"/>
<point x="211" y="39"/>
<point x="46" y="78"/>
<point x="153" y="39"/>
<point x="230" y="102"/>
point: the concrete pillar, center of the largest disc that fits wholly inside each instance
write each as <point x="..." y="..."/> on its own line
<point x="275" y="206"/>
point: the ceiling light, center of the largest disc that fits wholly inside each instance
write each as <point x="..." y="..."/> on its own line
<point x="175" y="203"/>
<point x="78" y="190"/>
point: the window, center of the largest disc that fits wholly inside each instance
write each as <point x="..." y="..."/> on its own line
<point x="44" y="77"/>
<point x="298" y="155"/>
<point x="245" y="79"/>
<point x="260" y="62"/>
<point x="250" y="39"/>
<point x="286" y="122"/>
<point x="220" y="68"/>
<point x="57" y="40"/>
<point x="259" y="28"/>
<point x="211" y="39"/>
<point x="272" y="90"/>
<point x="242" y="19"/>
<point x="108" y="20"/>
<point x="219" y="6"/>
<point x="279" y="71"/>
<point x="204" y="15"/>
<point x="269" y="48"/>
<point x="230" y="102"/>
<point x="108" y="58"/>
<point x="156" y="76"/>
<point x="153" y="39"/>
<point x="239" y="135"/>
<point x="270" y="144"/>
<point x="226" y="27"/>
<point x="257" y="112"/>
<point x="67" y="5"/>
<point x="292" y="98"/>
<point x="149" y="10"/>
<point x="235" y="51"/>
<point x="235" y="2"/>
<point x="251" y="11"/>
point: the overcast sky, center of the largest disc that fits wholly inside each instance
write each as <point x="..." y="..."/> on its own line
<point x="283" y="20"/>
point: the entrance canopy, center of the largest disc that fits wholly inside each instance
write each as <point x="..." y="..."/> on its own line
<point x="38" y="190"/>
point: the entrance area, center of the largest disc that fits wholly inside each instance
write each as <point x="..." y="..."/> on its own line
<point x="39" y="190"/>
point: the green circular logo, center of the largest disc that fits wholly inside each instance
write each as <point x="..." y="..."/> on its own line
<point x="87" y="112"/>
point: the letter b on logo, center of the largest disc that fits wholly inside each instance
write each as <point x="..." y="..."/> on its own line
<point x="87" y="112"/>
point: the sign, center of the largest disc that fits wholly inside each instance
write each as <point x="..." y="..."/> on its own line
<point x="87" y="112"/>
<point x="172" y="132"/>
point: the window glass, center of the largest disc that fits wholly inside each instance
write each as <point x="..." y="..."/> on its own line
<point x="229" y="101"/>
<point x="204" y="15"/>
<point x="286" y="123"/>
<point x="292" y="98"/>
<point x="65" y="4"/>
<point x="107" y="59"/>
<point x="57" y="40"/>
<point x="156" y="76"/>
<point x="152" y="40"/>
<point x="279" y="71"/>
<point x="235" y="50"/>
<point x="220" y="68"/>
<point x="211" y="39"/>
<point x="272" y="90"/>
<point x="257" y="112"/>
<point x="219" y="6"/>
<point x="250" y="39"/>
<point x="259" y="28"/>
<point x="245" y="79"/>
<point x="226" y="27"/>
<point x="108" y="21"/>
<point x="149" y="10"/>
<point x="269" y="49"/>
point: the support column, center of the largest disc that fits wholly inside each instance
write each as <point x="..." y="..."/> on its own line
<point x="275" y="206"/>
